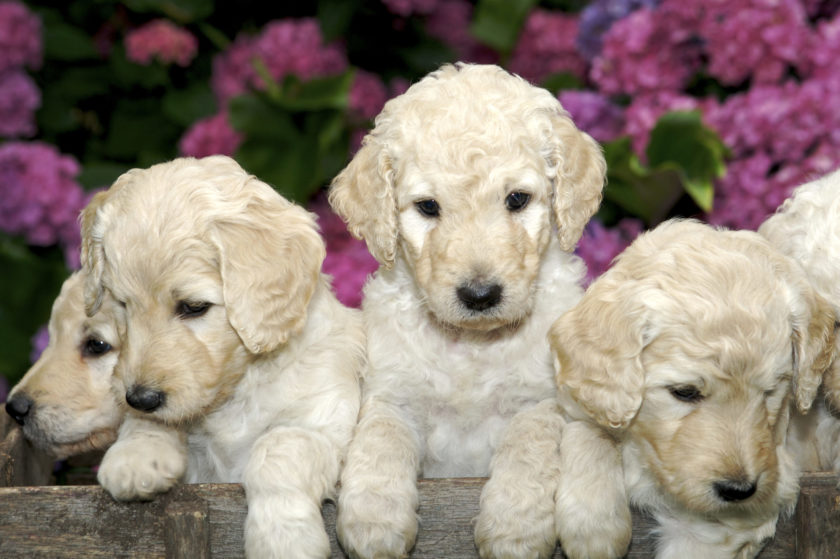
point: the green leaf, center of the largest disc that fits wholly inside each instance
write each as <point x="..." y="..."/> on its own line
<point x="100" y="174"/>
<point x="556" y="83"/>
<point x="185" y="106"/>
<point x="182" y="11"/>
<point x="320" y="93"/>
<point x="681" y="142"/>
<point x="497" y="22"/>
<point x="255" y="115"/>
<point x="63" y="41"/>
<point x="138" y="131"/>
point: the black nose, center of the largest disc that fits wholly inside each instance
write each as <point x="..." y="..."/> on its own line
<point x="144" y="399"/>
<point x="18" y="407"/>
<point x="479" y="296"/>
<point x="732" y="490"/>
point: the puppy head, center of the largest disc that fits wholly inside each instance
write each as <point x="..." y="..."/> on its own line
<point x="214" y="269"/>
<point x="64" y="401"/>
<point x="465" y="177"/>
<point x="807" y="228"/>
<point x="693" y="345"/>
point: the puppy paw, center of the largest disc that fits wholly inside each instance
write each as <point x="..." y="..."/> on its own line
<point x="376" y="526"/>
<point x="605" y="538"/>
<point x="513" y="524"/>
<point x="130" y="471"/>
<point x="285" y="528"/>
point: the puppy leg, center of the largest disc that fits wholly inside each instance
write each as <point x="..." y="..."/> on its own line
<point x="148" y="458"/>
<point x="592" y="514"/>
<point x="290" y="472"/>
<point x="378" y="500"/>
<point x="516" y="518"/>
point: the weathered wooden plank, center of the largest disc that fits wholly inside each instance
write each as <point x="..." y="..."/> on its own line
<point x="20" y="462"/>
<point x="83" y="521"/>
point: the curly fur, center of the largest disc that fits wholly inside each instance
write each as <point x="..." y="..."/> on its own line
<point x="689" y="307"/>
<point x="260" y="387"/>
<point x="444" y="380"/>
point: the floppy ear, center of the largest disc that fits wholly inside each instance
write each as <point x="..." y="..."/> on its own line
<point x="598" y="344"/>
<point x="813" y="350"/>
<point x="93" y="255"/>
<point x="578" y="171"/>
<point x="270" y="258"/>
<point x="363" y="195"/>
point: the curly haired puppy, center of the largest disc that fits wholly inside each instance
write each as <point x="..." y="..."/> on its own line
<point x="238" y="361"/>
<point x="64" y="401"/>
<point x="471" y="191"/>
<point x="689" y="352"/>
<point x="807" y="228"/>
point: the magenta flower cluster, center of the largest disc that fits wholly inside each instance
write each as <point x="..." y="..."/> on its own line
<point x="162" y="40"/>
<point x="20" y="48"/>
<point x="40" y="199"/>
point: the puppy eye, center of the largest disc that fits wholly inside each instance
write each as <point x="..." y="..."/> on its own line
<point x="187" y="309"/>
<point x="516" y="201"/>
<point x="429" y="208"/>
<point x="94" y="347"/>
<point x="690" y="394"/>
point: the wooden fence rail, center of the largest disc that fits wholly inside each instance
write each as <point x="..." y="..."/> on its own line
<point x="206" y="520"/>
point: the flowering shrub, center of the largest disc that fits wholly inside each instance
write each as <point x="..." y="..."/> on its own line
<point x="712" y="108"/>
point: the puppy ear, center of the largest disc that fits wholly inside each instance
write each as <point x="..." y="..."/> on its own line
<point x="598" y="345"/>
<point x="813" y="351"/>
<point x="93" y="255"/>
<point x="578" y="171"/>
<point x="270" y="257"/>
<point x="363" y="195"/>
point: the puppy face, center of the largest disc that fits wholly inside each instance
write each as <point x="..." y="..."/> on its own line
<point x="465" y="178"/>
<point x="692" y="348"/>
<point x="214" y="270"/>
<point x="64" y="402"/>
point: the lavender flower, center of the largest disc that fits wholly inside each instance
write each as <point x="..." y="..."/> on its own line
<point x="594" y="114"/>
<point x="19" y="99"/>
<point x="20" y="37"/>
<point x="163" y="40"/>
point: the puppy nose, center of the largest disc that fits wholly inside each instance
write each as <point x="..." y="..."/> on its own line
<point x="18" y="407"/>
<point x="732" y="490"/>
<point x="479" y="296"/>
<point x="144" y="399"/>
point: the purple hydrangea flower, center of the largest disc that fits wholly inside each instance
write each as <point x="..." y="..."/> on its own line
<point x="210" y="136"/>
<point x="450" y="23"/>
<point x="597" y="17"/>
<point x="547" y="46"/>
<point x="367" y="95"/>
<point x="406" y="8"/>
<point x="599" y="245"/>
<point x="20" y="37"/>
<point x="39" y="196"/>
<point x="163" y="40"/>
<point x="594" y="114"/>
<point x="19" y="99"/>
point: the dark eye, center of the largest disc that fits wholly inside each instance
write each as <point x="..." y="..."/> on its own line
<point x="94" y="347"/>
<point x="429" y="208"/>
<point x="516" y="201"/>
<point x="687" y="393"/>
<point x="188" y="309"/>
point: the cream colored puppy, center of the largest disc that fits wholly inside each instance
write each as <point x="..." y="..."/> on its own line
<point x="471" y="191"/>
<point x="689" y="352"/>
<point x="64" y="401"/>
<point x="807" y="228"/>
<point x="238" y="361"/>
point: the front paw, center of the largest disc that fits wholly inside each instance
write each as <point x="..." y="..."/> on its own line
<point x="515" y="524"/>
<point x="373" y="526"/>
<point x="130" y="471"/>
<point x="589" y="533"/>
<point x="286" y="528"/>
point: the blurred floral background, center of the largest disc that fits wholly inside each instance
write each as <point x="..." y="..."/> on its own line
<point x="707" y="108"/>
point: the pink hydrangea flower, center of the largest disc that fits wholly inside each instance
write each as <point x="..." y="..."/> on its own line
<point x="19" y="99"/>
<point x="649" y="51"/>
<point x="20" y="37"/>
<point x="367" y="95"/>
<point x="406" y="8"/>
<point x="210" y="136"/>
<point x="163" y="40"/>
<point x="348" y="260"/>
<point x="547" y="46"/>
<point x="594" y="114"/>
<point x="288" y="46"/>
<point x="450" y="23"/>
<point x="599" y="245"/>
<point x="39" y="196"/>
